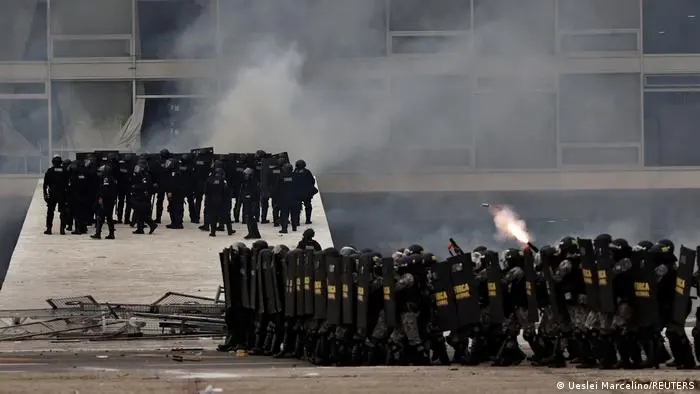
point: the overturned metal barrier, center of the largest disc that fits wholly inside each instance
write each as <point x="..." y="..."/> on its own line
<point x="173" y="314"/>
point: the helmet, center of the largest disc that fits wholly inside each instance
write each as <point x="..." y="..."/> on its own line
<point x="300" y="164"/>
<point x="259" y="245"/>
<point x="513" y="258"/>
<point x="480" y="249"/>
<point x="668" y="244"/>
<point x="66" y="162"/>
<point x="567" y="246"/>
<point x="309" y="233"/>
<point x="348" y="251"/>
<point x="218" y="164"/>
<point x="620" y="248"/>
<point x="603" y="239"/>
<point x="164" y="153"/>
<point x="280" y="249"/>
<point x="248" y="172"/>
<point x="287" y="168"/>
<point x="260" y="153"/>
<point x="57" y="161"/>
<point x="112" y="157"/>
<point x="186" y="158"/>
<point x="414" y="249"/>
<point x="645" y="245"/>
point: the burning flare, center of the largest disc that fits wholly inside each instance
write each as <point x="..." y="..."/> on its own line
<point x="509" y="225"/>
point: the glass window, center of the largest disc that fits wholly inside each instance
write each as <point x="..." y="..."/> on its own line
<point x="91" y="48"/>
<point x="175" y="29"/>
<point x="514" y="26"/>
<point x="671" y="122"/>
<point x="173" y="122"/>
<point x="171" y="87"/>
<point x="86" y="17"/>
<point x="23" y="30"/>
<point x="406" y="45"/>
<point x="24" y="128"/>
<point x="598" y="14"/>
<point x="671" y="26"/>
<point x="599" y="156"/>
<point x="510" y="126"/>
<point x="431" y="111"/>
<point x="677" y="80"/>
<point x="599" y="108"/>
<point x="88" y="115"/>
<point x="22" y="88"/>
<point x="571" y="43"/>
<point x="421" y="15"/>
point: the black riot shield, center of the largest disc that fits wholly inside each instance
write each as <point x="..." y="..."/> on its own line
<point x="265" y="177"/>
<point x="645" y="291"/>
<point x="334" y="313"/>
<point x="224" y="260"/>
<point x="364" y="276"/>
<point x="444" y="296"/>
<point x="604" y="263"/>
<point x="494" y="283"/>
<point x="244" y="258"/>
<point x="299" y="282"/>
<point x="272" y="298"/>
<point x="202" y="151"/>
<point x="308" y="263"/>
<point x="530" y="279"/>
<point x="348" y="289"/>
<point x="320" y="290"/>
<point x="389" y="285"/>
<point x="257" y="289"/>
<point x="684" y="282"/>
<point x="103" y="155"/>
<point x="590" y="273"/>
<point x="548" y="262"/>
<point x="465" y="289"/>
<point x="290" y="275"/>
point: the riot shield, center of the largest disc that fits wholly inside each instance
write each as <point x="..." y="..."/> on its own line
<point x="80" y="157"/>
<point x="590" y="273"/>
<point x="299" y="282"/>
<point x="606" y="297"/>
<point x="684" y="282"/>
<point x="281" y="155"/>
<point x="444" y="295"/>
<point x="530" y="279"/>
<point x="548" y="262"/>
<point x="645" y="291"/>
<point x="224" y="260"/>
<point x="465" y="289"/>
<point x="257" y="289"/>
<point x="362" y="291"/>
<point x="265" y="177"/>
<point x="244" y="257"/>
<point x="320" y="291"/>
<point x="202" y="151"/>
<point x="389" y="285"/>
<point x="308" y="257"/>
<point x="290" y="295"/>
<point x="103" y="155"/>
<point x="272" y="304"/>
<point x="348" y="289"/>
<point x="334" y="313"/>
<point x="494" y="283"/>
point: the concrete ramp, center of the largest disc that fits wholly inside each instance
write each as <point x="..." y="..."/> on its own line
<point x="129" y="269"/>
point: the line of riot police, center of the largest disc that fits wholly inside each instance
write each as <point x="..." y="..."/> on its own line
<point x="596" y="303"/>
<point x="100" y="185"/>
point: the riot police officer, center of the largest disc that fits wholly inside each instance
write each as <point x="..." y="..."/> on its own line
<point x="80" y="189"/>
<point x="250" y="192"/>
<point x="141" y="192"/>
<point x="158" y="178"/>
<point x="178" y="186"/>
<point x="55" y="194"/>
<point x="217" y="195"/>
<point x="308" y="242"/>
<point x="106" y="197"/>
<point x="124" y="170"/>
<point x="286" y="194"/>
<point x="307" y="187"/>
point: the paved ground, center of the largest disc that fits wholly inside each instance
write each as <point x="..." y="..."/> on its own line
<point x="189" y="366"/>
<point x="130" y="269"/>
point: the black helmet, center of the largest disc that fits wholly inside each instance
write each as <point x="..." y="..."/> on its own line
<point x="667" y="243"/>
<point x="603" y="239"/>
<point x="219" y="172"/>
<point x="480" y="249"/>
<point x="186" y="158"/>
<point x="259" y="245"/>
<point x="67" y="162"/>
<point x="106" y="170"/>
<point x="164" y="153"/>
<point x="348" y="251"/>
<point x="248" y="172"/>
<point x="57" y="161"/>
<point x="415" y="249"/>
<point x="309" y="233"/>
<point x="218" y="164"/>
<point x="620" y="249"/>
<point x="548" y="250"/>
<point x="645" y="245"/>
<point x="513" y="258"/>
<point x="567" y="246"/>
<point x="260" y="153"/>
<point x="620" y="243"/>
<point x="300" y="164"/>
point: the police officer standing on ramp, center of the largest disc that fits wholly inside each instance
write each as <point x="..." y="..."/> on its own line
<point x="250" y="192"/>
<point x="55" y="194"/>
<point x="106" y="198"/>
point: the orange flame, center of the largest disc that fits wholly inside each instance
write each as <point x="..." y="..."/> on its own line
<point x="509" y="224"/>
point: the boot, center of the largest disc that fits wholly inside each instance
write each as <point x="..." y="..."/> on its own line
<point x="110" y="235"/>
<point x="696" y="336"/>
<point x="685" y="359"/>
<point x="203" y="227"/>
<point x="152" y="227"/>
<point x="586" y="352"/>
<point x="284" y="230"/>
<point x="500" y="360"/>
<point x="650" y="346"/>
<point x="420" y="356"/>
<point x="96" y="236"/>
<point x="635" y="351"/>
<point x="608" y="353"/>
<point x="227" y="346"/>
<point x="47" y="232"/>
<point x="258" y="345"/>
<point x="623" y="349"/>
<point x="475" y="352"/>
<point x="440" y="352"/>
<point x="556" y="360"/>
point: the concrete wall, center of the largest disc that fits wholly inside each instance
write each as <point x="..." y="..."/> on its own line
<point x="15" y="194"/>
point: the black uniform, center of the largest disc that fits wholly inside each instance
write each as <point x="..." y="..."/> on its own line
<point x="287" y="198"/>
<point x="217" y="202"/>
<point x="55" y="194"/>
<point x="308" y="241"/>
<point x="106" y="198"/>
<point x="179" y="182"/>
<point x="250" y="192"/>
<point x="79" y="190"/>
<point x="141" y="192"/>
<point x="124" y="171"/>
<point x="264" y="195"/>
<point x="307" y="188"/>
<point x="159" y="176"/>
<point x="66" y="205"/>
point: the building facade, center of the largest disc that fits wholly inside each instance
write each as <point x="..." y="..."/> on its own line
<point x="587" y="84"/>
